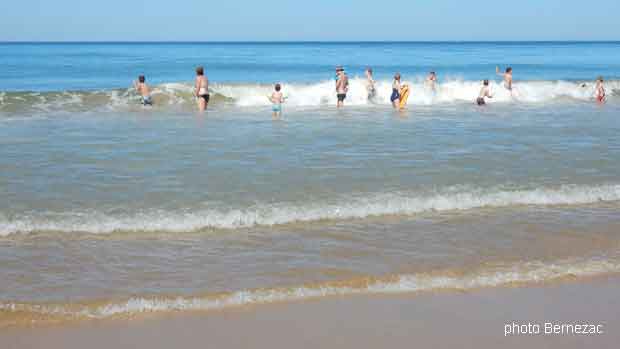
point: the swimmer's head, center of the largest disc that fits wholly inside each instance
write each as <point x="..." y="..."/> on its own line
<point x="600" y="78"/>
<point x="141" y="78"/>
<point x="509" y="70"/>
<point x="485" y="82"/>
<point x="278" y="87"/>
<point x="397" y="76"/>
<point x="433" y="73"/>
<point x="200" y="71"/>
<point x="369" y="70"/>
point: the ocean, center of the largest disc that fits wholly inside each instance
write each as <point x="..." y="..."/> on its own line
<point x="109" y="208"/>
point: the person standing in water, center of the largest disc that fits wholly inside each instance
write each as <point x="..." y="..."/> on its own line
<point x="395" y="98"/>
<point x="144" y="90"/>
<point x="507" y="77"/>
<point x="485" y="92"/>
<point x="370" y="84"/>
<point x="277" y="98"/>
<point x="599" y="90"/>
<point x="342" y="86"/>
<point x="201" y="89"/>
<point x="431" y="80"/>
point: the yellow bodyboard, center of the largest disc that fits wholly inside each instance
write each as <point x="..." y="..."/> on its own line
<point x="404" y="96"/>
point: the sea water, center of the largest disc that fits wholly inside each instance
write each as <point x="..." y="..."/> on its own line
<point x="110" y="208"/>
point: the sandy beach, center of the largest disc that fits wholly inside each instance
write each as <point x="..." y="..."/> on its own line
<point x="444" y="319"/>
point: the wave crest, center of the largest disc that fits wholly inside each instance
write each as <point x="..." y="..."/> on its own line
<point x="451" y="199"/>
<point x="179" y="95"/>
<point x="521" y="273"/>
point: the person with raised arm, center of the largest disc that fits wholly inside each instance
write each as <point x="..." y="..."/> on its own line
<point x="507" y="77"/>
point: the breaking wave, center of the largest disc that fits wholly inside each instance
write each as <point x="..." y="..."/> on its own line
<point x="450" y="199"/>
<point x="179" y="95"/>
<point x="491" y="276"/>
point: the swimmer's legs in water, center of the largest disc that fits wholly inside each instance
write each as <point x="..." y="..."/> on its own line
<point x="395" y="99"/>
<point x="203" y="102"/>
<point x="341" y="97"/>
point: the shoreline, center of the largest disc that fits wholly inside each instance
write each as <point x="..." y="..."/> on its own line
<point x="441" y="318"/>
<point x="35" y="315"/>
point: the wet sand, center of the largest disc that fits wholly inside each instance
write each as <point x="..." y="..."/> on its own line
<point x="444" y="319"/>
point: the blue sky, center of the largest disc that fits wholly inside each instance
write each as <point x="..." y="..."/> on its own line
<point x="335" y="20"/>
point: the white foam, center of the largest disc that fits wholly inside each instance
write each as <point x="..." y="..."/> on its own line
<point x="456" y="198"/>
<point x="408" y="283"/>
<point x="316" y="94"/>
<point x="453" y="91"/>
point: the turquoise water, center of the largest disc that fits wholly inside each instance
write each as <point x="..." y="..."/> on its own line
<point x="156" y="209"/>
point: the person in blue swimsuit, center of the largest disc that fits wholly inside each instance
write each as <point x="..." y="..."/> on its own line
<point x="395" y="98"/>
<point x="277" y="98"/>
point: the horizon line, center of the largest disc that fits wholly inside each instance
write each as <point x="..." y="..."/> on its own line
<point x="295" y="41"/>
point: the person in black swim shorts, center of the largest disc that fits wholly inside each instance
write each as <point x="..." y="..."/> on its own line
<point x="201" y="89"/>
<point x="342" y="86"/>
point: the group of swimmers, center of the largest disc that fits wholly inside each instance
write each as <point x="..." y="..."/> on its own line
<point x="342" y="87"/>
<point x="485" y="91"/>
<point x="201" y="89"/>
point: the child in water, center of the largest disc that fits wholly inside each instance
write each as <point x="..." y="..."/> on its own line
<point x="485" y="92"/>
<point x="431" y="81"/>
<point x="277" y="98"/>
<point x="144" y="90"/>
<point x="370" y="84"/>
<point x="599" y="91"/>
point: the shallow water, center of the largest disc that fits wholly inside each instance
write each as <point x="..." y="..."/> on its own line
<point x="110" y="209"/>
